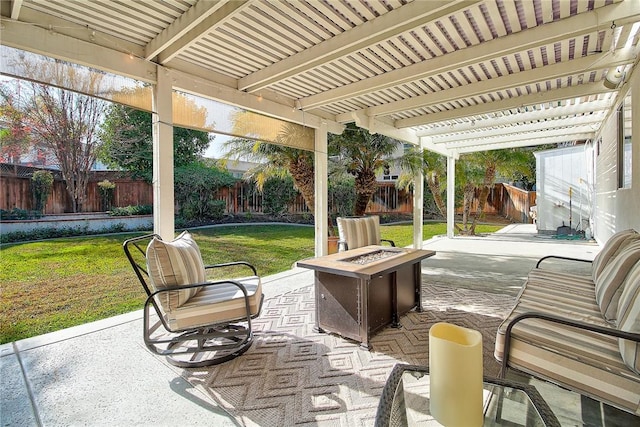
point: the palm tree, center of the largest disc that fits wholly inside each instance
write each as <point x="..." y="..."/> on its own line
<point x="435" y="167"/>
<point x="278" y="160"/>
<point x="363" y="154"/>
<point x="508" y="163"/>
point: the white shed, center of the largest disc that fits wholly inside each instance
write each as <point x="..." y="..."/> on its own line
<point x="564" y="186"/>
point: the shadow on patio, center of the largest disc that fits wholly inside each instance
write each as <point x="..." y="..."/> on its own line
<point x="102" y="374"/>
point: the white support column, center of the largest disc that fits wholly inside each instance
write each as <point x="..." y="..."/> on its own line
<point x="451" y="195"/>
<point x="321" y="209"/>
<point x="163" y="197"/>
<point x="418" y="208"/>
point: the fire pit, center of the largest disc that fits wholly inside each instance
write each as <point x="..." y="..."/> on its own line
<point x="371" y="256"/>
<point x="360" y="291"/>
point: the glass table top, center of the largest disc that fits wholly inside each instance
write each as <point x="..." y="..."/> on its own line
<point x="405" y="402"/>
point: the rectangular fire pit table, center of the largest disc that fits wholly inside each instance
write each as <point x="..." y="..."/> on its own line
<point x="362" y="290"/>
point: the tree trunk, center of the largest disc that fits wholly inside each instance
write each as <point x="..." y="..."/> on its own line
<point x="366" y="186"/>
<point x="489" y="178"/>
<point x="433" y="182"/>
<point x="469" y="190"/>
<point x="303" y="176"/>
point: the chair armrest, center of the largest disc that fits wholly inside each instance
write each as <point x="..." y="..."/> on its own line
<point x="230" y="264"/>
<point x="343" y="244"/>
<point x="563" y="321"/>
<point x="562" y="258"/>
<point x="391" y="242"/>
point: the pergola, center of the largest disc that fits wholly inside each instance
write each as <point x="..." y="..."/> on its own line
<point x="446" y="75"/>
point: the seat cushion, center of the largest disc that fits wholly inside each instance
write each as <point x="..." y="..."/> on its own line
<point x="628" y="318"/>
<point x="360" y="231"/>
<point x="173" y="264"/>
<point x="608" y="286"/>
<point x="220" y="303"/>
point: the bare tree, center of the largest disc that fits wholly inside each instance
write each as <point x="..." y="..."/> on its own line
<point x="65" y="123"/>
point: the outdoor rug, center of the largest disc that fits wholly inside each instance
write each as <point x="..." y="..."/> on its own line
<point x="295" y="376"/>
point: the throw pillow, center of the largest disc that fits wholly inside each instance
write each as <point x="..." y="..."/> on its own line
<point x="173" y="264"/>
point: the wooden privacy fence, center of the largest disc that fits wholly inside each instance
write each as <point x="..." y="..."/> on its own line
<point x="15" y="192"/>
<point x="507" y="201"/>
<point x="242" y="198"/>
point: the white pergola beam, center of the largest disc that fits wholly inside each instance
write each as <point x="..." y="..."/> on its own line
<point x="219" y="92"/>
<point x="595" y="107"/>
<point x="163" y="182"/>
<point x="521" y="79"/>
<point x="527" y="142"/>
<point x="389" y="25"/>
<point x="591" y="120"/>
<point x="321" y="189"/>
<point x="195" y="32"/>
<point x="57" y="45"/>
<point x="566" y="133"/>
<point x="374" y="125"/>
<point x="506" y="104"/>
<point x="182" y="26"/>
<point x="503" y="46"/>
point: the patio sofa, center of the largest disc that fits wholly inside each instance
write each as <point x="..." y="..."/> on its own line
<point x="581" y="332"/>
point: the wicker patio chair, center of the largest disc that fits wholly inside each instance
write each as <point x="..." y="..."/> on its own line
<point x="195" y="322"/>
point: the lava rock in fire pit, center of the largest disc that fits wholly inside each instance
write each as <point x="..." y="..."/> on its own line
<point x="371" y="257"/>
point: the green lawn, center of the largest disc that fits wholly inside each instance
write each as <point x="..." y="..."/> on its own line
<point x="58" y="283"/>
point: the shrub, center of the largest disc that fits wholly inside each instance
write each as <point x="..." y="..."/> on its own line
<point x="277" y="193"/>
<point x="132" y="210"/>
<point x="196" y="187"/>
<point x="342" y="196"/>
<point x="17" y="214"/>
<point x="107" y="190"/>
<point x="41" y="185"/>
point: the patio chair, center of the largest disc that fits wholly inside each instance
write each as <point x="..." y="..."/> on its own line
<point x="356" y="232"/>
<point x="199" y="322"/>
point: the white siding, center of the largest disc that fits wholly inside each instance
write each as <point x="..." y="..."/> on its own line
<point x="616" y="209"/>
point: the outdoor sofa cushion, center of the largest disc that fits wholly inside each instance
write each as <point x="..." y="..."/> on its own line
<point x="584" y="361"/>
<point x="610" y="249"/>
<point x="173" y="264"/>
<point x="356" y="232"/>
<point x="628" y="318"/>
<point x="608" y="286"/>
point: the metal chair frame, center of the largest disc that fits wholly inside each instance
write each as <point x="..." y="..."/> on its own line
<point x="198" y="346"/>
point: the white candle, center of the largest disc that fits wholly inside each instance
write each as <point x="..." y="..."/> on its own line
<point x="455" y="372"/>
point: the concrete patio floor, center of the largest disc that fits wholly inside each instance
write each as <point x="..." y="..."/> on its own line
<point x="102" y="374"/>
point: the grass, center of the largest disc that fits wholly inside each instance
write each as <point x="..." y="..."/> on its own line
<point x="59" y="283"/>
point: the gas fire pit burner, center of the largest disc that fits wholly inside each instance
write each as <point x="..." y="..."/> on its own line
<point x="371" y="257"/>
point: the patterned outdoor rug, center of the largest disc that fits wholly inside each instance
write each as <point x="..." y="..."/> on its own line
<point x="295" y="376"/>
